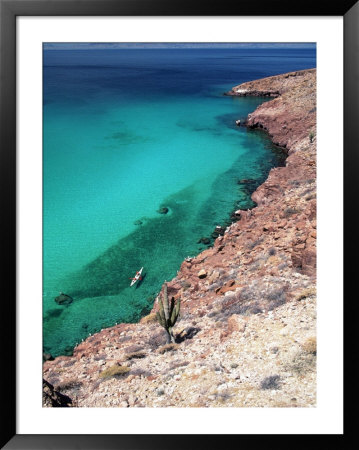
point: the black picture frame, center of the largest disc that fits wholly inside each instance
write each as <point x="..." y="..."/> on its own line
<point x="9" y="10"/>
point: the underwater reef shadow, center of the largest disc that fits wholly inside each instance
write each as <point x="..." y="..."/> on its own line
<point x="149" y="244"/>
<point x="53" y="313"/>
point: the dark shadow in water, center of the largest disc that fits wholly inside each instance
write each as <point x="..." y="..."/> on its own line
<point x="229" y="120"/>
<point x="252" y="176"/>
<point x="53" y="313"/>
<point x="139" y="282"/>
<point x="127" y="138"/>
<point x="199" y="127"/>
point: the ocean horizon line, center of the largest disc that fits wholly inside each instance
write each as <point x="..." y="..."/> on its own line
<point x="175" y="45"/>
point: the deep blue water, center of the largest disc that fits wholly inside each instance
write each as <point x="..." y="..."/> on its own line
<point x="127" y="131"/>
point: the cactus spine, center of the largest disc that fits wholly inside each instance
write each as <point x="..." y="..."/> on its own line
<point x="168" y="314"/>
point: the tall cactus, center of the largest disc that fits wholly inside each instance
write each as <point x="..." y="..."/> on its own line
<point x="168" y="314"/>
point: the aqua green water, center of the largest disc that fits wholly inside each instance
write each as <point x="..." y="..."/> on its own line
<point x="117" y="147"/>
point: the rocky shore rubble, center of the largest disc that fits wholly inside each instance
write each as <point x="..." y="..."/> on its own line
<point x="247" y="333"/>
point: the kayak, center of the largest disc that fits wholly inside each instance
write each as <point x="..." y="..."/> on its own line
<point x="137" y="277"/>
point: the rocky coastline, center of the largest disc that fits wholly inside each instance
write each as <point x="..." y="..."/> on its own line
<point x="247" y="332"/>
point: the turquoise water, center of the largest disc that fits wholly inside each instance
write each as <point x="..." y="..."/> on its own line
<point x="125" y="134"/>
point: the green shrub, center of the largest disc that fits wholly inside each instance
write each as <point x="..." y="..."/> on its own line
<point x="272" y="382"/>
<point x="310" y="345"/>
<point x="150" y="318"/>
<point x="135" y="355"/>
<point x="114" y="371"/>
<point x="167" y="348"/>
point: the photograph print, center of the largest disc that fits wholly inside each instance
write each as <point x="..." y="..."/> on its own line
<point x="179" y="225"/>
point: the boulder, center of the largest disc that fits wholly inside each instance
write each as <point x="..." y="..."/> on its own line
<point x="227" y="287"/>
<point x="219" y="230"/>
<point x="236" y="215"/>
<point x="204" y="240"/>
<point x="214" y="276"/>
<point x="47" y="357"/>
<point x="202" y="273"/>
<point x="246" y="181"/>
<point x="69" y="351"/>
<point x="63" y="299"/>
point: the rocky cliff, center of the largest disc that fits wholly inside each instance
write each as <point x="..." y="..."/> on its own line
<point x="247" y="334"/>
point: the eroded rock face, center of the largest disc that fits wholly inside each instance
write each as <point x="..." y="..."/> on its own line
<point x="291" y="118"/>
<point x="248" y="303"/>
